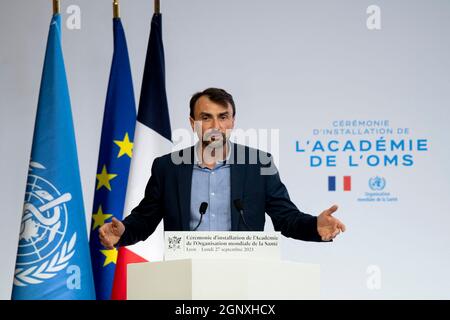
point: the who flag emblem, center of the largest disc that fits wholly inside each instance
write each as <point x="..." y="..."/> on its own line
<point x="44" y="249"/>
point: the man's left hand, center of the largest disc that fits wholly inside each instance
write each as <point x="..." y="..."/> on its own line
<point x="328" y="226"/>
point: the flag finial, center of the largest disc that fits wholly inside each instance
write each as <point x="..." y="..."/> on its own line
<point x="116" y="12"/>
<point x="157" y="7"/>
<point x="56" y="7"/>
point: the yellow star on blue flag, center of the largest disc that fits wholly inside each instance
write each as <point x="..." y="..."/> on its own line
<point x="110" y="256"/>
<point x="104" y="179"/>
<point x="113" y="166"/>
<point x="126" y="146"/>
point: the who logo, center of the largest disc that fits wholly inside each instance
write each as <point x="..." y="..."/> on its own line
<point x="43" y="249"/>
<point x="377" y="183"/>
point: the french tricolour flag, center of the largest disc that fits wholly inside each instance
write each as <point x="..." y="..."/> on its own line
<point x="347" y="183"/>
<point x="152" y="138"/>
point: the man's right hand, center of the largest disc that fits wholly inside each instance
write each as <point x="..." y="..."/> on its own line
<point x="110" y="233"/>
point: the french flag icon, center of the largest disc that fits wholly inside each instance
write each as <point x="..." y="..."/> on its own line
<point x="347" y="183"/>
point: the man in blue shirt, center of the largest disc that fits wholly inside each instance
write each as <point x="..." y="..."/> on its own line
<point x="236" y="184"/>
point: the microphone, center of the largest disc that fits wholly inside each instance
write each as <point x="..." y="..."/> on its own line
<point x="202" y="210"/>
<point x="240" y="207"/>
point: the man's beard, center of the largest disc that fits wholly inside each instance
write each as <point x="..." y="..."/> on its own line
<point x="214" y="139"/>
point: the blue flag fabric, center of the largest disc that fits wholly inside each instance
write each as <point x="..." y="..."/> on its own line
<point x="53" y="260"/>
<point x="153" y="109"/>
<point x="114" y="160"/>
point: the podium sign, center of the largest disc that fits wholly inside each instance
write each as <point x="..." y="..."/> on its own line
<point x="221" y="245"/>
<point x="223" y="265"/>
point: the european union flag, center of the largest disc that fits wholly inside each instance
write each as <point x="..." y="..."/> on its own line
<point x="53" y="259"/>
<point x="114" y="159"/>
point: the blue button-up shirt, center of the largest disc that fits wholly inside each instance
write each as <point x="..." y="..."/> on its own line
<point x="214" y="187"/>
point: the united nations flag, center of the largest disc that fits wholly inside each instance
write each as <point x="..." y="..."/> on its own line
<point x="53" y="260"/>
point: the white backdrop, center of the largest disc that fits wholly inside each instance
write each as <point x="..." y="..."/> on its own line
<point x="300" y="67"/>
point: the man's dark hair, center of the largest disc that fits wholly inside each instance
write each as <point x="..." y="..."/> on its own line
<point x="216" y="95"/>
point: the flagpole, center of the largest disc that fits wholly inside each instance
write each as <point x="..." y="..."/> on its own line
<point x="56" y="7"/>
<point x="157" y="7"/>
<point x="116" y="12"/>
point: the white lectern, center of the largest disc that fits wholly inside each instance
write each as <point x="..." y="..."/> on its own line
<point x="223" y="265"/>
<point x="206" y="279"/>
